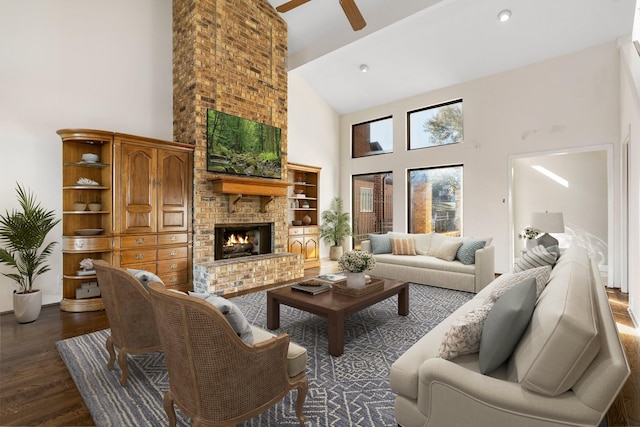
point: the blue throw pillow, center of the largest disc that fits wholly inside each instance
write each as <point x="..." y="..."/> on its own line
<point x="380" y="243"/>
<point x="505" y="324"/>
<point x="467" y="252"/>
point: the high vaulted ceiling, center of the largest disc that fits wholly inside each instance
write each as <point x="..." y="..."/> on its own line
<point x="416" y="46"/>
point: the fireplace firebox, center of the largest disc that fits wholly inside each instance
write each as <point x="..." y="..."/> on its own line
<point x="242" y="240"/>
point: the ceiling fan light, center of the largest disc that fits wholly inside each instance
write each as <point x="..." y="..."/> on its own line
<point x="364" y="68"/>
<point x="504" y="15"/>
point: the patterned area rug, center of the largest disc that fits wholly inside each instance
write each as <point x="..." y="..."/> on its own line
<point x="350" y="390"/>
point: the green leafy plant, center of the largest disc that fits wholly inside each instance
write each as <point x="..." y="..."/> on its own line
<point x="22" y="233"/>
<point x="335" y="223"/>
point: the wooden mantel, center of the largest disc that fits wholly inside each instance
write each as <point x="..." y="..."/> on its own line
<point x="238" y="187"/>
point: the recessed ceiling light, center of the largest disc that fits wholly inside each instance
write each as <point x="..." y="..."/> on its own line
<point x="504" y="15"/>
<point x="364" y="68"/>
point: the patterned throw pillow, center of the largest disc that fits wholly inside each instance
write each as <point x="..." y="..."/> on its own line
<point x="231" y="312"/>
<point x="507" y="281"/>
<point x="467" y="252"/>
<point x="402" y="246"/>
<point x="536" y="257"/>
<point x="465" y="333"/>
<point x="380" y="243"/>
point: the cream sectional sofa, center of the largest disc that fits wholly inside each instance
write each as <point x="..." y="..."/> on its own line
<point x="426" y="267"/>
<point x="566" y="368"/>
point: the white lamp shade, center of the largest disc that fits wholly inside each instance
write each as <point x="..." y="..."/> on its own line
<point x="548" y="222"/>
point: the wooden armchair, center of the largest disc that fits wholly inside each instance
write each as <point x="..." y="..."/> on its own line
<point x="133" y="326"/>
<point x="214" y="377"/>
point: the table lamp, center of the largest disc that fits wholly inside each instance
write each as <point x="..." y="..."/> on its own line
<point x="548" y="222"/>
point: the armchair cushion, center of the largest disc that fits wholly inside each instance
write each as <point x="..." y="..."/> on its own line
<point x="296" y="355"/>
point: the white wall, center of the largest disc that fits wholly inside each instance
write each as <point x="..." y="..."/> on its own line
<point x="313" y="139"/>
<point x="567" y="102"/>
<point x="76" y="63"/>
<point x="630" y="132"/>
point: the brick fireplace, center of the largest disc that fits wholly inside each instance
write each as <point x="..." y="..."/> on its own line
<point x="231" y="56"/>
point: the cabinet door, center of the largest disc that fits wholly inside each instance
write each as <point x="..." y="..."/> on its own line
<point x="296" y="245"/>
<point x="174" y="175"/>
<point x="138" y="189"/>
<point x="310" y="248"/>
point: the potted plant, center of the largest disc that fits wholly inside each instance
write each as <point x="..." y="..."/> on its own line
<point x="22" y="234"/>
<point x="529" y="235"/>
<point x="353" y="264"/>
<point x="335" y="227"/>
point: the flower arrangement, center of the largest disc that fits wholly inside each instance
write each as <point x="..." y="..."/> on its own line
<point x="529" y="232"/>
<point x="356" y="261"/>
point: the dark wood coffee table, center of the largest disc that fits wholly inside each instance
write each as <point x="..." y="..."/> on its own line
<point x="334" y="307"/>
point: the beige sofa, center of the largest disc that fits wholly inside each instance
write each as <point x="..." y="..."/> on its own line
<point x="566" y="369"/>
<point x="428" y="269"/>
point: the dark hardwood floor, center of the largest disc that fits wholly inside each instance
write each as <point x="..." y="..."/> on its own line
<point x="36" y="388"/>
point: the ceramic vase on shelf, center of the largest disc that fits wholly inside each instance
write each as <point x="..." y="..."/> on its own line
<point x="355" y="280"/>
<point x="530" y="243"/>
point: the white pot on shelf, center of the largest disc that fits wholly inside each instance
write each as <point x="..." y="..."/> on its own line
<point x="530" y="243"/>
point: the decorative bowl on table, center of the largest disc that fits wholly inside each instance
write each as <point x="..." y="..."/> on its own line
<point x="79" y="206"/>
<point x="89" y="231"/>
<point x="298" y="191"/>
<point x="296" y="222"/>
<point x="95" y="207"/>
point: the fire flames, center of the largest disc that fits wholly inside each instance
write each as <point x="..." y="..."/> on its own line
<point x="235" y="240"/>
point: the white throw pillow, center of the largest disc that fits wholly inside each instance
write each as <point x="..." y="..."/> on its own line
<point x="465" y="333"/>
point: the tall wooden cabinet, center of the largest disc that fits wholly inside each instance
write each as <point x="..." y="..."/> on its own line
<point x="144" y="186"/>
<point x="303" y="199"/>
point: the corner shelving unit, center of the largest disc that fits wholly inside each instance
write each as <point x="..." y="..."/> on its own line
<point x="303" y="200"/>
<point x="85" y="233"/>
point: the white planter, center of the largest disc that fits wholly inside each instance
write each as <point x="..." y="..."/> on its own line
<point x="26" y="307"/>
<point x="355" y="280"/>
<point x="530" y="243"/>
<point x="335" y="252"/>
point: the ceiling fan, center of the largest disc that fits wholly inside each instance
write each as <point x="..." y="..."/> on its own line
<point x="348" y="6"/>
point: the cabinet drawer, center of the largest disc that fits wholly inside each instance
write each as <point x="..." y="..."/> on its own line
<point x="170" y="239"/>
<point x="138" y="241"/>
<point x="170" y="253"/>
<point x="138" y="256"/>
<point x="296" y="231"/>
<point x="174" y="265"/>
<point x="150" y="267"/>
<point x="86" y="244"/>
<point x="311" y="230"/>
<point x="172" y="279"/>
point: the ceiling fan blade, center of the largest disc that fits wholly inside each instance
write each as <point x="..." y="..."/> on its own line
<point x="291" y="4"/>
<point x="353" y="14"/>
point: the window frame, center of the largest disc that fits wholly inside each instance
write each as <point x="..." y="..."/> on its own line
<point x="433" y="107"/>
<point x="370" y="152"/>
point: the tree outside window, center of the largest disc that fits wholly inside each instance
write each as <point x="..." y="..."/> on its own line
<point x="435" y="200"/>
<point x="436" y="125"/>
